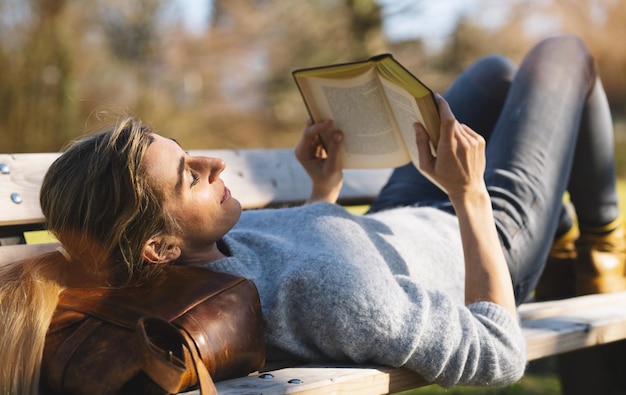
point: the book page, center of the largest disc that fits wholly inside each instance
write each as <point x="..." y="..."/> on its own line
<point x="358" y="109"/>
<point x="392" y="71"/>
<point x="405" y="109"/>
<point x="406" y="112"/>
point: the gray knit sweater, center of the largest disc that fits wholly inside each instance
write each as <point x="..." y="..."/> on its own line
<point x="386" y="288"/>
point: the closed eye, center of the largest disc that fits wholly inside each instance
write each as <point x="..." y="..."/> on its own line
<point x="194" y="179"/>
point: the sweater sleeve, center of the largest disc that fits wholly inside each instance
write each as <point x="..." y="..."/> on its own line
<point x="394" y="321"/>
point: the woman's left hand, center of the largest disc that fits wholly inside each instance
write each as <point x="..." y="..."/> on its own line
<point x="459" y="166"/>
<point x="322" y="164"/>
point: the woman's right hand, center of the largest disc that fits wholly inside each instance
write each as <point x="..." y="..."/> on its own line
<point x="322" y="164"/>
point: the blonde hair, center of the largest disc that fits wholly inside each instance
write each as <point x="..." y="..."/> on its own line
<point x="98" y="203"/>
<point x="28" y="297"/>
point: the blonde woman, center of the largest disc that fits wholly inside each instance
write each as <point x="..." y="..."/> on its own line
<point x="426" y="280"/>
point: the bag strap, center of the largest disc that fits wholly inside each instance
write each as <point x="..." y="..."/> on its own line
<point x="205" y="382"/>
<point x="161" y="357"/>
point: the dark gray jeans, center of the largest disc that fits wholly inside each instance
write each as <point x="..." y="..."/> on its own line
<point x="543" y="121"/>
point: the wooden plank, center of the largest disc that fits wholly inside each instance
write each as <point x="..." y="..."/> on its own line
<point x="24" y="177"/>
<point x="536" y="310"/>
<point x="325" y="379"/>
<point x="262" y="177"/>
<point x="257" y="178"/>
<point x="581" y="322"/>
<point x="13" y="253"/>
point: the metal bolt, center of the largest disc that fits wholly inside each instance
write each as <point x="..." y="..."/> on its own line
<point x="5" y="169"/>
<point x="16" y="198"/>
<point x="295" y="381"/>
<point x="266" y="376"/>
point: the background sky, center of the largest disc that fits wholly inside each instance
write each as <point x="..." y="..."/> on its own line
<point x="432" y="21"/>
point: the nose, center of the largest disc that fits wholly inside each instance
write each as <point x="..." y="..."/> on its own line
<point x="216" y="166"/>
<point x="208" y="167"/>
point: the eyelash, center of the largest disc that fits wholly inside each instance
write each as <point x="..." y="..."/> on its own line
<point x="195" y="179"/>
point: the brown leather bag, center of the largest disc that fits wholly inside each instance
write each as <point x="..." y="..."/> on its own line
<point x="181" y="329"/>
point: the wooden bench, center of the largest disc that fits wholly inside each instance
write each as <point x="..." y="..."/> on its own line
<point x="266" y="178"/>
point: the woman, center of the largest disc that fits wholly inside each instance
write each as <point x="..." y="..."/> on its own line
<point x="364" y="288"/>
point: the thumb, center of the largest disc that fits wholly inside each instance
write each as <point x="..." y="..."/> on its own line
<point x="426" y="158"/>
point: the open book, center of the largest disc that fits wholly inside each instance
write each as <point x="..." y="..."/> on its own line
<point x="375" y="104"/>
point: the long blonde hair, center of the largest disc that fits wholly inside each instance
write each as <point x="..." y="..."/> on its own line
<point x="28" y="297"/>
<point x="99" y="205"/>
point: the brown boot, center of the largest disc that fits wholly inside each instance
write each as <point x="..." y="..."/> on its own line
<point x="558" y="278"/>
<point x="601" y="259"/>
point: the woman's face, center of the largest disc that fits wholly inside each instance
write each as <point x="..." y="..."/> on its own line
<point x="194" y="193"/>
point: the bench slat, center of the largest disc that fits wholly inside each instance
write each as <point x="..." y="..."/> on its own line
<point x="13" y="253"/>
<point x="574" y="323"/>
<point x="26" y="172"/>
<point x="257" y="178"/>
<point x="536" y="310"/>
<point x="261" y="178"/>
<point x="325" y="379"/>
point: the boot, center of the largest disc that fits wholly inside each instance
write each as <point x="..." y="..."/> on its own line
<point x="600" y="267"/>
<point x="559" y="278"/>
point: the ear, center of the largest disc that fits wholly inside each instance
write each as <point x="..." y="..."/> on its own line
<point x="161" y="249"/>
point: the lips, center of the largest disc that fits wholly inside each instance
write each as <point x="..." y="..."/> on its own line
<point x="226" y="194"/>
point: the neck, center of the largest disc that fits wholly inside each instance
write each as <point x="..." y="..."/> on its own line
<point x="201" y="256"/>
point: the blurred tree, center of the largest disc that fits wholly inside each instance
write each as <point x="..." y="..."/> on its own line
<point x="601" y="24"/>
<point x="133" y="37"/>
<point x="131" y="28"/>
<point x="254" y="45"/>
<point x="229" y="85"/>
<point x="37" y="110"/>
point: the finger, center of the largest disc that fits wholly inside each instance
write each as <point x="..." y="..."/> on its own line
<point x="463" y="139"/>
<point x="317" y="127"/>
<point x="309" y="143"/>
<point x="480" y="144"/>
<point x="425" y="157"/>
<point x="447" y="119"/>
<point x="469" y="138"/>
<point x="471" y="133"/>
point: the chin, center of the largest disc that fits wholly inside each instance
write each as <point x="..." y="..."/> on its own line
<point x="236" y="209"/>
<point x="237" y="204"/>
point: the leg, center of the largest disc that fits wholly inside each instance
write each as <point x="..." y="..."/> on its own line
<point x="590" y="260"/>
<point x="476" y="98"/>
<point x="531" y="151"/>
<point x="594" y="164"/>
<point x="601" y="247"/>
<point x="593" y="191"/>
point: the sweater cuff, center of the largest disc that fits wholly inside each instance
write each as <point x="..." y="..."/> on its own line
<point x="495" y="313"/>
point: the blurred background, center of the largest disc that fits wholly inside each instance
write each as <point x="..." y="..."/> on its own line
<point x="217" y="73"/>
